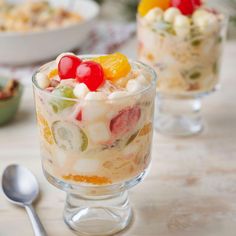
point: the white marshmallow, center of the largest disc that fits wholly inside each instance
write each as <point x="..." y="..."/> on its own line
<point x="87" y="166"/>
<point x="170" y="14"/>
<point x="42" y="80"/>
<point x="94" y="110"/>
<point x="118" y="94"/>
<point x="154" y="15"/>
<point x="182" y="25"/>
<point x="198" y="14"/>
<point x="205" y="21"/>
<point x="95" y="96"/>
<point x="134" y="86"/>
<point x="141" y="78"/>
<point x="80" y="90"/>
<point x="119" y="103"/>
<point x="98" y="132"/>
<point x="62" y="55"/>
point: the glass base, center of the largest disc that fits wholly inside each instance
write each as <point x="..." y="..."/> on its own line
<point x="178" y="116"/>
<point x="97" y="216"/>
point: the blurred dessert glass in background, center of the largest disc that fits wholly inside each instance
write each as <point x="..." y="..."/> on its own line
<point x="183" y="42"/>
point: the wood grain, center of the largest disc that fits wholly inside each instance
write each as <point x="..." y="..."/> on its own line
<point x="190" y="189"/>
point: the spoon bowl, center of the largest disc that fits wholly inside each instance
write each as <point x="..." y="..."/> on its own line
<point x="19" y="185"/>
<point x="21" y="188"/>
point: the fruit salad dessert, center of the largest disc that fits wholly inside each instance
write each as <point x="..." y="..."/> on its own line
<point x="95" y="116"/>
<point x="182" y="40"/>
<point x="34" y="16"/>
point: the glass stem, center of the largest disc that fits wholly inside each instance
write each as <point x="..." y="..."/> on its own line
<point x="178" y="116"/>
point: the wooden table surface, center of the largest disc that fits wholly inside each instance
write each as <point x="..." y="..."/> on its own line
<point x="191" y="187"/>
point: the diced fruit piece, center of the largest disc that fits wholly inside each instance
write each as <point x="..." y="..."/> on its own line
<point x="99" y="132"/>
<point x="195" y="75"/>
<point x="79" y="116"/>
<point x="84" y="144"/>
<point x="80" y="90"/>
<point x="53" y="73"/>
<point x="182" y="25"/>
<point x="94" y="110"/>
<point x="60" y="103"/>
<point x="196" y="42"/>
<point x="49" y="89"/>
<point x="91" y="74"/>
<point x="125" y="121"/>
<point x="146" y="129"/>
<point x="69" y="136"/>
<point x="47" y="134"/>
<point x="67" y="66"/>
<point x="98" y="180"/>
<point x="134" y="86"/>
<point x="64" y="91"/>
<point x="170" y="14"/>
<point x="54" y="83"/>
<point x="154" y="15"/>
<point x="162" y="26"/>
<point x="42" y="80"/>
<point x="187" y="7"/>
<point x="115" y="66"/>
<point x="132" y="138"/>
<point x="146" y="5"/>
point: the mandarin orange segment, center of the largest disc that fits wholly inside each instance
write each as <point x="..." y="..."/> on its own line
<point x="146" y="5"/>
<point x="53" y="73"/>
<point x="146" y="129"/>
<point x="98" y="180"/>
<point x="47" y="133"/>
<point x="115" y="66"/>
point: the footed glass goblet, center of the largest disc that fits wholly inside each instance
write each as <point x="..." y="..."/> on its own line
<point x="96" y="174"/>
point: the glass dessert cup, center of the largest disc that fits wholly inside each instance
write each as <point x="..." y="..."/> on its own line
<point x="96" y="175"/>
<point x="187" y="69"/>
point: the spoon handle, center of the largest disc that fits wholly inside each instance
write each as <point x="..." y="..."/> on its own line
<point x="35" y="221"/>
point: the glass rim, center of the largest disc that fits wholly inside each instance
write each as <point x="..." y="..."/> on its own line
<point x="147" y="68"/>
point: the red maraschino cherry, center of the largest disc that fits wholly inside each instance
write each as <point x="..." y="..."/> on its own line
<point x="91" y="74"/>
<point x="67" y="66"/>
<point x="187" y="7"/>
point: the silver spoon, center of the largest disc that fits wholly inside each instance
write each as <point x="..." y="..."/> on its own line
<point x="21" y="188"/>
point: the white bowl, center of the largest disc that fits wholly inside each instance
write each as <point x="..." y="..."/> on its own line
<point x="31" y="47"/>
